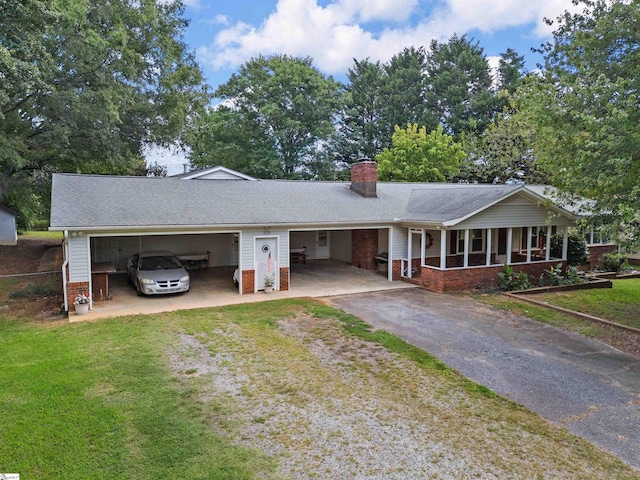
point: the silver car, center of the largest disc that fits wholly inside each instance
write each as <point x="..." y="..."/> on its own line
<point x="156" y="273"/>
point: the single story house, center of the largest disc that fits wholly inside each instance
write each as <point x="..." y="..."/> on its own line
<point x="8" y="229"/>
<point x="443" y="236"/>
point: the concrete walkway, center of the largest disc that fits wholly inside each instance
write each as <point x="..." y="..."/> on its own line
<point x="214" y="287"/>
<point x="588" y="387"/>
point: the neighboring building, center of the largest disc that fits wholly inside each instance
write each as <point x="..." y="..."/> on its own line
<point x="443" y="236"/>
<point x="8" y="229"/>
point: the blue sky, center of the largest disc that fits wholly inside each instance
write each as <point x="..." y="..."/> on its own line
<point x="226" y="33"/>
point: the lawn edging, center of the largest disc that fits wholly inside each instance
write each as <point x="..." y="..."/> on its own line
<point x="518" y="295"/>
<point x="598" y="283"/>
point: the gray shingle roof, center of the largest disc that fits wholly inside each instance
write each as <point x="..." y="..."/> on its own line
<point x="93" y="201"/>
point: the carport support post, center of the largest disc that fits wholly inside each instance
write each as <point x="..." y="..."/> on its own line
<point x="488" y="262"/>
<point x="443" y="249"/>
<point x="509" y="244"/>
<point x="410" y="250"/>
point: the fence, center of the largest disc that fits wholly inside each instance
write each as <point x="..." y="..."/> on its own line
<point x="31" y="293"/>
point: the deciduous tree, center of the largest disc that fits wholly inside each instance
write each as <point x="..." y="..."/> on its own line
<point x="420" y="157"/>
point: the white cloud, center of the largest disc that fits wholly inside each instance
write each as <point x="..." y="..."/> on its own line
<point x="335" y="34"/>
<point x="173" y="157"/>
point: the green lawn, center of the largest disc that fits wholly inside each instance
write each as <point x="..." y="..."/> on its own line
<point x="100" y="400"/>
<point x="40" y="235"/>
<point x="620" y="304"/>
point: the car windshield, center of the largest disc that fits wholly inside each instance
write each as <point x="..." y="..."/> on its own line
<point x="159" y="263"/>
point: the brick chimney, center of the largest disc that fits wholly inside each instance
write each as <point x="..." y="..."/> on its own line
<point x="364" y="176"/>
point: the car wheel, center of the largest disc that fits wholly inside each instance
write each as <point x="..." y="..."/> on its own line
<point x="138" y="289"/>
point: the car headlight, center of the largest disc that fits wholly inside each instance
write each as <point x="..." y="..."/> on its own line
<point x="185" y="278"/>
<point x="147" y="281"/>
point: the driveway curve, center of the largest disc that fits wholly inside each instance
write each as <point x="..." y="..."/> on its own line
<point x="590" y="388"/>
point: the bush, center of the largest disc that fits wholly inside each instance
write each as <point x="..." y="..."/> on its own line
<point x="554" y="277"/>
<point x="577" y="252"/>
<point x="613" y="262"/>
<point x="510" y="281"/>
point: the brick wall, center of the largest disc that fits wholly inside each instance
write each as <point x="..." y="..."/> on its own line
<point x="596" y="252"/>
<point x="73" y="290"/>
<point x="284" y="279"/>
<point x="248" y="281"/>
<point x="396" y="270"/>
<point x="364" y="248"/>
<point x="470" y="278"/>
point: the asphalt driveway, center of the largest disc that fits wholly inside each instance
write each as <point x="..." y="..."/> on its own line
<point x="590" y="388"/>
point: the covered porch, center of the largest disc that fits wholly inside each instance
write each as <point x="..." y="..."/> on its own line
<point x="445" y="259"/>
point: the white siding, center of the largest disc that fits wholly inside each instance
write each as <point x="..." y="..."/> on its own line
<point x="399" y="243"/>
<point x="8" y="234"/>
<point x="383" y="240"/>
<point x="341" y="245"/>
<point x="433" y="250"/>
<point x="305" y="239"/>
<point x="248" y="243"/>
<point x="515" y="211"/>
<point x="219" y="244"/>
<point x="79" y="262"/>
<point x="220" y="175"/>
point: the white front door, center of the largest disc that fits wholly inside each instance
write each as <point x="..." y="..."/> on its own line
<point x="322" y="244"/>
<point x="266" y="261"/>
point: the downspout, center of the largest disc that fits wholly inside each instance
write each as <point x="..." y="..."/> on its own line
<point x="65" y="252"/>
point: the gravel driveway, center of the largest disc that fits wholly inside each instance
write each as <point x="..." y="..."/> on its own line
<point x="589" y="387"/>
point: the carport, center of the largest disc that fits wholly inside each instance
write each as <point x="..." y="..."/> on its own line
<point x="212" y="252"/>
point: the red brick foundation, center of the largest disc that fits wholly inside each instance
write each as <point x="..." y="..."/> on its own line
<point x="364" y="248"/>
<point x="596" y="252"/>
<point x="73" y="290"/>
<point x="248" y="281"/>
<point x="284" y="279"/>
<point x="396" y="270"/>
<point x="483" y="277"/>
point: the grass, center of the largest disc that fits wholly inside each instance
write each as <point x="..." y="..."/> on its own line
<point x="41" y="235"/>
<point x="620" y="304"/>
<point x="104" y="400"/>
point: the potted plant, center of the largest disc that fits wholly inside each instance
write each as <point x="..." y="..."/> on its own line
<point x="269" y="282"/>
<point x="81" y="304"/>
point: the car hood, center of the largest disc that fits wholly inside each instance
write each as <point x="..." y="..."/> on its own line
<point x="165" y="274"/>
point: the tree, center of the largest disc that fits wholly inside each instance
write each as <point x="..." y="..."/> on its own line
<point x="85" y="86"/>
<point x="504" y="153"/>
<point x="284" y="104"/>
<point x="460" y="93"/>
<point x="585" y="108"/>
<point x="362" y="133"/>
<point x="403" y="92"/>
<point x="419" y="157"/>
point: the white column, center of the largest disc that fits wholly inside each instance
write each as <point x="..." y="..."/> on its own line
<point x="565" y="243"/>
<point x="509" y="244"/>
<point x="547" y="243"/>
<point x="389" y="257"/>
<point x="591" y="235"/>
<point x="488" y="246"/>
<point x="410" y="254"/>
<point x="423" y="246"/>
<point x="529" y="230"/>
<point x="466" y="248"/>
<point x="443" y="249"/>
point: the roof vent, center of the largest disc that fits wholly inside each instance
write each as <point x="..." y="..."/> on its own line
<point x="364" y="177"/>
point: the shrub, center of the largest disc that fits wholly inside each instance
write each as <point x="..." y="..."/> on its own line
<point x="513" y="281"/>
<point x="554" y="277"/>
<point x="613" y="262"/>
<point x="577" y="252"/>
